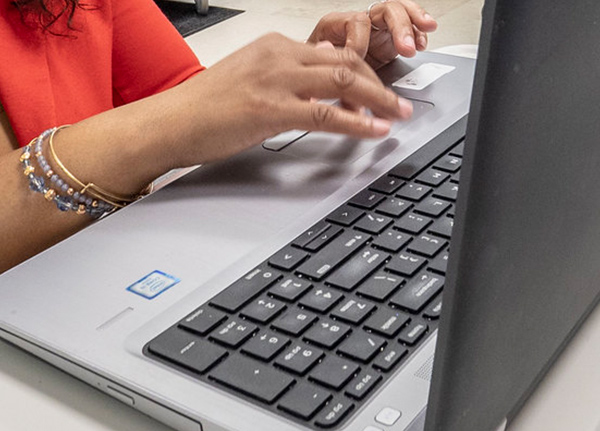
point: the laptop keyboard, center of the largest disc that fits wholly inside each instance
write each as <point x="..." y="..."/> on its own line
<point x="316" y="328"/>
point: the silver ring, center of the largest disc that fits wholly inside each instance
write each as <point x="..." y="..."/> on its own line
<point x="374" y="27"/>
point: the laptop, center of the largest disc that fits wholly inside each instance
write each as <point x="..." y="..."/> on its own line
<point x="299" y="285"/>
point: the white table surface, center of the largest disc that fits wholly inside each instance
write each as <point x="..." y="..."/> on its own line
<point x="36" y="396"/>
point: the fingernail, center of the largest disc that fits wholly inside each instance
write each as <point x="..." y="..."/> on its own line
<point x="380" y="126"/>
<point x="406" y="107"/>
<point x="428" y="17"/>
<point x="409" y="41"/>
<point x="422" y="41"/>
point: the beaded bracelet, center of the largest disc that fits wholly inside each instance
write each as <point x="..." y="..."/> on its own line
<point x="78" y="203"/>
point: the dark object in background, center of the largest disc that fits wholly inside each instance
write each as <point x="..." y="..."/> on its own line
<point x="188" y="21"/>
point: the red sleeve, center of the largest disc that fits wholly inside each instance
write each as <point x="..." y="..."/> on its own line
<point x="149" y="55"/>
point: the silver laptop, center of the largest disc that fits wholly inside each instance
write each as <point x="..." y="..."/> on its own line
<point x="299" y="285"/>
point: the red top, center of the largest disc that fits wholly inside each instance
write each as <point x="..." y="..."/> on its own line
<point x="124" y="50"/>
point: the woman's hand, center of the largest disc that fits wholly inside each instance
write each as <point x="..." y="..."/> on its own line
<point x="267" y="87"/>
<point x="392" y="27"/>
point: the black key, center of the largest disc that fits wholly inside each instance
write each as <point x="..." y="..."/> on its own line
<point x="290" y="288"/>
<point x="366" y="199"/>
<point x="447" y="191"/>
<point x="380" y="286"/>
<point x="353" y="310"/>
<point x="427" y="245"/>
<point x="321" y="299"/>
<point x="393" y="207"/>
<point x="288" y="258"/>
<point x="442" y="227"/>
<point x="391" y="240"/>
<point x="327" y="333"/>
<point x="294" y="322"/>
<point x="433" y="177"/>
<point x="345" y="215"/>
<point x="406" y="264"/>
<point x="414" y="192"/>
<point x="413" y="223"/>
<point x="252" y="378"/>
<point x="373" y="223"/>
<point x="334" y="372"/>
<point x="334" y="412"/>
<point x="458" y="150"/>
<point x="434" y="310"/>
<point x="386" y="185"/>
<point x="234" y="332"/>
<point x="363" y="384"/>
<point x="304" y="400"/>
<point x="389" y="358"/>
<point x="357" y="268"/>
<point x="418" y="292"/>
<point x="413" y="332"/>
<point x="432" y="207"/>
<point x="362" y="346"/>
<point x="387" y="322"/>
<point x="421" y="158"/>
<point x="448" y="163"/>
<point x="455" y="178"/>
<point x="187" y="350"/>
<point x="324" y="238"/>
<point x="203" y="320"/>
<point x="321" y="264"/>
<point x="243" y="290"/>
<point x="266" y="345"/>
<point x="440" y="263"/>
<point x="311" y="234"/>
<point x="262" y="310"/>
<point x="299" y="358"/>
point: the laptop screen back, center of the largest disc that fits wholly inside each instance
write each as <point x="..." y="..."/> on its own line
<point x="525" y="261"/>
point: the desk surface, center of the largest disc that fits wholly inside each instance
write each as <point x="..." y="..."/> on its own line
<point x="34" y="395"/>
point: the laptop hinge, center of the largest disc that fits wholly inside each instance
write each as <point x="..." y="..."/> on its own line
<point x="502" y="426"/>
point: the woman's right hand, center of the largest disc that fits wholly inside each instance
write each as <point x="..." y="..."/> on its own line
<point x="266" y="88"/>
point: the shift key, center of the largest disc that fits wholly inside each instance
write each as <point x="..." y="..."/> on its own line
<point x="418" y="292"/>
<point x="333" y="254"/>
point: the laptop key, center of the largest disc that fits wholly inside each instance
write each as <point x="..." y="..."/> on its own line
<point x="357" y="268"/>
<point x="391" y="240"/>
<point x="323" y="239"/>
<point x="327" y="333"/>
<point x="362" y="346"/>
<point x="432" y="207"/>
<point x="413" y="223"/>
<point x="334" y="412"/>
<point x="389" y="358"/>
<point x="234" y="332"/>
<point x="427" y="245"/>
<point x="262" y="310"/>
<point x="294" y="322"/>
<point x="203" y="320"/>
<point x="449" y="163"/>
<point x="288" y="258"/>
<point x="387" y="322"/>
<point x="321" y="299"/>
<point x="443" y="227"/>
<point x="252" y="378"/>
<point x="366" y="199"/>
<point x="418" y="292"/>
<point x="312" y="233"/>
<point x="434" y="310"/>
<point x="433" y="177"/>
<point x="187" y="350"/>
<point x="379" y="286"/>
<point x="373" y="223"/>
<point x="246" y="288"/>
<point x="448" y="190"/>
<point x="406" y="264"/>
<point x="414" y="192"/>
<point x="363" y="384"/>
<point x="345" y="215"/>
<point x="334" y="372"/>
<point x="299" y="358"/>
<point x="393" y="207"/>
<point x="440" y="263"/>
<point x="304" y="400"/>
<point x="266" y="345"/>
<point x="413" y="333"/>
<point x="353" y="311"/>
<point x="322" y="263"/>
<point x="290" y="288"/>
<point x="386" y="185"/>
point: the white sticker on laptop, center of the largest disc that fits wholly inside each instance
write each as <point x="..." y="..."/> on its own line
<point x="423" y="76"/>
<point x="153" y="284"/>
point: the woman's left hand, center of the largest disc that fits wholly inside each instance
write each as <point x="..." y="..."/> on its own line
<point x="392" y="27"/>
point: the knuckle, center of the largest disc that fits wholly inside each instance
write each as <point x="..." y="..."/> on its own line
<point x="321" y="115"/>
<point x="349" y="58"/>
<point x="343" y="77"/>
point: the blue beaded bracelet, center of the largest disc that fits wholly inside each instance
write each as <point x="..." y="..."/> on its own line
<point x="72" y="201"/>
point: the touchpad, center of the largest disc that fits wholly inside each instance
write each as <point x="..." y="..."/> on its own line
<point x="335" y="148"/>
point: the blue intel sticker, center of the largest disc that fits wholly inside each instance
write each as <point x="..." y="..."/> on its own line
<point x="153" y="284"/>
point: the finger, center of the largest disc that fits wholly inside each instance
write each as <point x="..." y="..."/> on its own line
<point x="398" y="22"/>
<point x="419" y="17"/>
<point x="358" y="33"/>
<point x="421" y="39"/>
<point x="344" y="57"/>
<point x="351" y="88"/>
<point x="327" y="118"/>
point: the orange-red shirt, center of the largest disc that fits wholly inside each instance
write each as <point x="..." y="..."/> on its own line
<point x="122" y="51"/>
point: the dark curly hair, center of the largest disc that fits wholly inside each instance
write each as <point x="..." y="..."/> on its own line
<point x="46" y="13"/>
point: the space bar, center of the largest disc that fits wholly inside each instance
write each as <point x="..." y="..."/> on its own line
<point x="252" y="378"/>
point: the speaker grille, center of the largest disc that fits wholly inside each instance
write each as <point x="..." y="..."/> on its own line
<point x="425" y="370"/>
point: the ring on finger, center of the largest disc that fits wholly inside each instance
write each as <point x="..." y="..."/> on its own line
<point x="373" y="26"/>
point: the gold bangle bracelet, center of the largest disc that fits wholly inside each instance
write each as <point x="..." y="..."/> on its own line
<point x="90" y="188"/>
